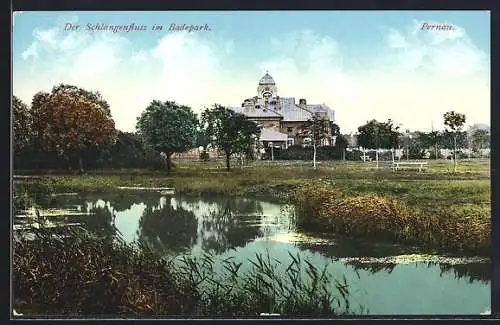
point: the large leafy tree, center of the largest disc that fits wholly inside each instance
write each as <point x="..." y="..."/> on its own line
<point x="21" y="125"/>
<point x="454" y="123"/>
<point x="128" y="151"/>
<point x="378" y="135"/>
<point x="168" y="127"/>
<point x="71" y="122"/>
<point x="229" y="131"/>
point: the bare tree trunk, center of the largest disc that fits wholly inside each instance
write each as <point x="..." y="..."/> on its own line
<point x="314" y="156"/>
<point x="228" y="161"/>
<point x="168" y="161"/>
<point x="455" y="153"/>
<point x="80" y="164"/>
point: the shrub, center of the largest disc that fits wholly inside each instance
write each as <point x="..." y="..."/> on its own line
<point x="204" y="156"/>
<point x="353" y="155"/>
<point x="307" y="153"/>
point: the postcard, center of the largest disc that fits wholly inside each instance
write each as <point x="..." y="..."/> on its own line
<point x="251" y="164"/>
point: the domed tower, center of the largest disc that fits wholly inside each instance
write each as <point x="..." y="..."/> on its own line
<point x="267" y="87"/>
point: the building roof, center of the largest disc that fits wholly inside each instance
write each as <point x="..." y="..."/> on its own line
<point x="267" y="80"/>
<point x="268" y="135"/>
<point x="288" y="112"/>
<point x="257" y="112"/>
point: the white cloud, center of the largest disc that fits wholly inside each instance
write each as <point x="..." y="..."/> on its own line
<point x="307" y="64"/>
<point x="187" y="68"/>
<point x="195" y="70"/>
<point x="442" y="52"/>
<point x="397" y="40"/>
<point x="420" y="86"/>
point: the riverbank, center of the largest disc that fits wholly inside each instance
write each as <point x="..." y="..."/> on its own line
<point x="446" y="229"/>
<point x="413" y="201"/>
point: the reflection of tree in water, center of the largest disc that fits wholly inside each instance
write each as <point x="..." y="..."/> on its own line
<point x="472" y="272"/>
<point x="124" y="201"/>
<point x="241" y="206"/>
<point x="167" y="229"/>
<point x="372" y="267"/>
<point x="348" y="248"/>
<point x="342" y="246"/>
<point x="100" y="221"/>
<point x="237" y="206"/>
<point x="227" y="227"/>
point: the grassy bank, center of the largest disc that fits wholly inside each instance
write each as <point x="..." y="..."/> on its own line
<point x="445" y="228"/>
<point x="455" y="200"/>
<point x="90" y="276"/>
<point x="427" y="190"/>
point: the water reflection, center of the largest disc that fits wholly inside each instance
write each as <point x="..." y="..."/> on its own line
<point x="167" y="228"/>
<point x="100" y="218"/>
<point x="192" y="225"/>
<point x="472" y="272"/>
<point x="221" y="224"/>
<point x="359" y="254"/>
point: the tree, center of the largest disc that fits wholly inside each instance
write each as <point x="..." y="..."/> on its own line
<point x="202" y="140"/>
<point x="128" y="151"/>
<point x="447" y="139"/>
<point x="430" y="140"/>
<point x="318" y="128"/>
<point x="480" y="139"/>
<point x="340" y="141"/>
<point x="71" y="121"/>
<point x="168" y="127"/>
<point x="454" y="123"/>
<point x="378" y="135"/>
<point x="21" y="125"/>
<point x="229" y="131"/>
<point x="93" y="96"/>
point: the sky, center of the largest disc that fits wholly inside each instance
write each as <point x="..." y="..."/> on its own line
<point x="363" y="64"/>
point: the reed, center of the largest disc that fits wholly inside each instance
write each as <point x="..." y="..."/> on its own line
<point x="82" y="274"/>
<point x="328" y="209"/>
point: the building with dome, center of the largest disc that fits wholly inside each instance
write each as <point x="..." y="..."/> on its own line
<point x="281" y="118"/>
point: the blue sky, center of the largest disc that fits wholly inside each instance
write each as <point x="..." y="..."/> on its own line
<point x="363" y="64"/>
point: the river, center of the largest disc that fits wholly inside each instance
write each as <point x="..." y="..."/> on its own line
<point x="384" y="279"/>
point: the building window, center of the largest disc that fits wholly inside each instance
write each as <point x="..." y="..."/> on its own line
<point x="289" y="129"/>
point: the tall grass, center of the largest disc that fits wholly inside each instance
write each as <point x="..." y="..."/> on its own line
<point x="383" y="218"/>
<point x="86" y="275"/>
